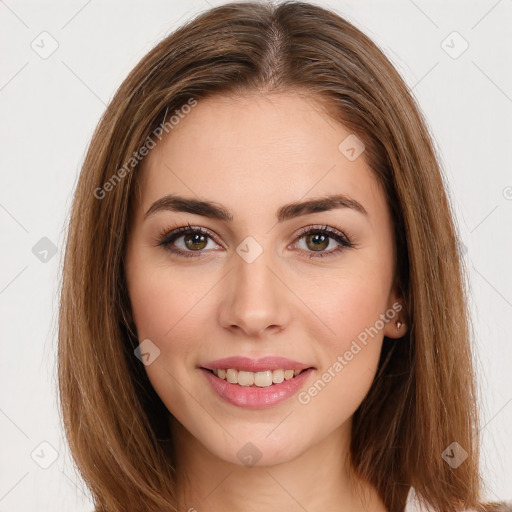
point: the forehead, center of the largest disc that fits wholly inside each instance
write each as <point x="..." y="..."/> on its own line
<point x="250" y="152"/>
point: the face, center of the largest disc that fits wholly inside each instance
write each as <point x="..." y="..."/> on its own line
<point x="314" y="286"/>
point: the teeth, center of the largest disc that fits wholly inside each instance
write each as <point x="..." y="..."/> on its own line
<point x="245" y="378"/>
<point x="232" y="376"/>
<point x="277" y="376"/>
<point x="261" y="379"/>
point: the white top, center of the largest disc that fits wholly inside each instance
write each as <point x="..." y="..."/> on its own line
<point x="413" y="505"/>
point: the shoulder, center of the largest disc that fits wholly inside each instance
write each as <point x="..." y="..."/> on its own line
<point x="503" y="506"/>
<point x="414" y="505"/>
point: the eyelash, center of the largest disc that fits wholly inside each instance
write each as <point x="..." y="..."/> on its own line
<point x="166" y="237"/>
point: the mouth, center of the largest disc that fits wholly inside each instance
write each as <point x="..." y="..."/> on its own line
<point x="261" y="379"/>
<point x="256" y="383"/>
<point x="256" y="390"/>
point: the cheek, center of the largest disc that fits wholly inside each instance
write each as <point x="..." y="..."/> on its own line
<point x="166" y="310"/>
<point x="164" y="301"/>
<point x="349" y="352"/>
<point x="351" y="307"/>
<point x="350" y="304"/>
<point x="170" y="307"/>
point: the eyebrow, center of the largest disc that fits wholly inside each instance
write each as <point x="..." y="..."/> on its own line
<point x="210" y="209"/>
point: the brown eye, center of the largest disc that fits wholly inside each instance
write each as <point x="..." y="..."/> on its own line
<point x="317" y="241"/>
<point x="195" y="241"/>
<point x="186" y="241"/>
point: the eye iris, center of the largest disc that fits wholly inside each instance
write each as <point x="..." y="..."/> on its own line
<point x="197" y="239"/>
<point x="324" y="240"/>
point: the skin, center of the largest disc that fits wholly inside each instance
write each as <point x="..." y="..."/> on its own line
<point x="252" y="155"/>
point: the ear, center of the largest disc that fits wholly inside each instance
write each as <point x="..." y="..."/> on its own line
<point x="396" y="312"/>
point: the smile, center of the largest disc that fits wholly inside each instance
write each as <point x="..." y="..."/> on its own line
<point x="261" y="379"/>
<point x="256" y="390"/>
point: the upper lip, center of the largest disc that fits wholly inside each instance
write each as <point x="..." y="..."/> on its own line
<point x="256" y="365"/>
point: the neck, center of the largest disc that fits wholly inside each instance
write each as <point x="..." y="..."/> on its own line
<point x="316" y="480"/>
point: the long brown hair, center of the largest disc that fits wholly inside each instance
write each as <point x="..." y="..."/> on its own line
<point x="423" y="397"/>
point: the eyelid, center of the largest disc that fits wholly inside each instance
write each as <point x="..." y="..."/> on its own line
<point x="167" y="234"/>
<point x="324" y="228"/>
<point x="171" y="234"/>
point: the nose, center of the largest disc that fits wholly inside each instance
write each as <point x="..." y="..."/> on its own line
<point x="254" y="298"/>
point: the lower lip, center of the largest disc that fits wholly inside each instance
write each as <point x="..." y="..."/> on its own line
<point x="254" y="397"/>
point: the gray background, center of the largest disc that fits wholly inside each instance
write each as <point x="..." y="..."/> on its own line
<point x="49" y="107"/>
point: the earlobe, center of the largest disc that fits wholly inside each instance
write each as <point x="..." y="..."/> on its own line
<point x="395" y="329"/>
<point x="401" y="328"/>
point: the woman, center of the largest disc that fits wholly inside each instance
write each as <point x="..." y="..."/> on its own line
<point x="263" y="299"/>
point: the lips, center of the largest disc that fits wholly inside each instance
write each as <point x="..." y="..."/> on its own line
<point x="255" y="397"/>
<point x="256" y="365"/>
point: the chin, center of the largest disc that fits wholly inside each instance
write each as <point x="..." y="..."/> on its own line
<point x="258" y="448"/>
